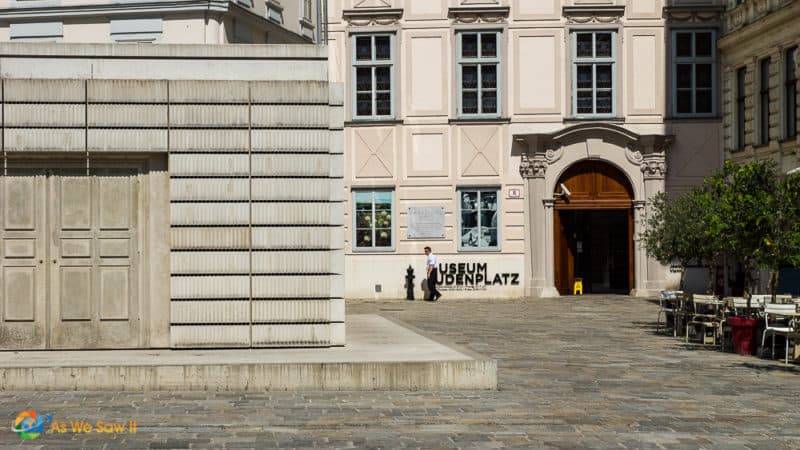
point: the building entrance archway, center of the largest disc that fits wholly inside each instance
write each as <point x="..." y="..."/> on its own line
<point x="593" y="229"/>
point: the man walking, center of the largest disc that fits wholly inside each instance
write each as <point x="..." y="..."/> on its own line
<point x="431" y="265"/>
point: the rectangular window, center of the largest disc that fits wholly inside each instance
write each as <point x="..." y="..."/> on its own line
<point x="790" y="92"/>
<point x="36" y="31"/>
<point x="593" y="73"/>
<point x="694" y="72"/>
<point x="478" y="220"/>
<point x="307" y="9"/>
<point x="372" y="76"/>
<point x="373" y="219"/>
<point x="136" y="30"/>
<point x="740" y="97"/>
<point x="478" y="58"/>
<point x="763" y="102"/>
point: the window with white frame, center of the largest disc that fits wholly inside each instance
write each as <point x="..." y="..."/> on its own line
<point x="372" y="76"/>
<point x="790" y="92"/>
<point x="593" y="73"/>
<point x="741" y="73"/>
<point x="307" y="9"/>
<point x="763" y="101"/>
<point x="694" y="72"/>
<point x="373" y="219"/>
<point x="478" y="218"/>
<point x="478" y="58"/>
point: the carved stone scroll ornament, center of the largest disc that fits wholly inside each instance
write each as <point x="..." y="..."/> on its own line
<point x="532" y="167"/>
<point x="553" y="155"/>
<point x="634" y="156"/>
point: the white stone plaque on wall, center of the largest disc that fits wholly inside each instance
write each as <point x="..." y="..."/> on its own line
<point x="425" y="222"/>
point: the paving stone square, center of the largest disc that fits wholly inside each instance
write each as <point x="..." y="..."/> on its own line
<point x="574" y="372"/>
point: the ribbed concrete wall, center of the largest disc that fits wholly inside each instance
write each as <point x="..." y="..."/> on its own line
<point x="255" y="176"/>
<point x="256" y="204"/>
<point x="255" y="193"/>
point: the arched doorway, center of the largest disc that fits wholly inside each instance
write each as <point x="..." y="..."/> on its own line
<point x="593" y="229"/>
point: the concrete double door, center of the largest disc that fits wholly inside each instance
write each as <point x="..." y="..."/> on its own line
<point x="69" y="255"/>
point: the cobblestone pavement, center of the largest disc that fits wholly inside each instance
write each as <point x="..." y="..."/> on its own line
<point x="584" y="372"/>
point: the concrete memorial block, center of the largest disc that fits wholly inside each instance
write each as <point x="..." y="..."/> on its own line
<point x="290" y="141"/>
<point x="208" y="116"/>
<point x="30" y="89"/>
<point x="288" y="165"/>
<point x="203" y="140"/>
<point x="126" y="115"/>
<point x="296" y="92"/>
<point x="293" y="238"/>
<point x="38" y="115"/>
<point x="228" y="262"/>
<point x="199" y="312"/>
<point x="289" y="311"/>
<point x="207" y="238"/>
<point x="291" y="116"/>
<point x="126" y="91"/>
<point x="122" y="140"/>
<point x="209" y="189"/>
<point x="209" y="165"/>
<point x="255" y="167"/>
<point x="294" y="262"/>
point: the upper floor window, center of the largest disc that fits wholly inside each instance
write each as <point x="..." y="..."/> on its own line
<point x="740" y="106"/>
<point x="373" y="65"/>
<point x="373" y="218"/>
<point x="478" y="218"/>
<point x="763" y="102"/>
<point x="36" y="31"/>
<point x="478" y="58"/>
<point x="694" y="72"/>
<point x="790" y="92"/>
<point x="307" y="9"/>
<point x="593" y="73"/>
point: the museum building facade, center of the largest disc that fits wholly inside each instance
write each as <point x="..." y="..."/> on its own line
<point x="520" y="140"/>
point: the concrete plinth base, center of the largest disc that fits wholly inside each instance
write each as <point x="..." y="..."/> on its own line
<point x="380" y="355"/>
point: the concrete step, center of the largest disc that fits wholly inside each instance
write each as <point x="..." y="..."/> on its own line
<point x="380" y="354"/>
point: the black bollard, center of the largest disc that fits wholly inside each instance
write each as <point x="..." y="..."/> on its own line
<point x="410" y="283"/>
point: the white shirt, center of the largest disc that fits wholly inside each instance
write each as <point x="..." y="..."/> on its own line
<point x="432" y="260"/>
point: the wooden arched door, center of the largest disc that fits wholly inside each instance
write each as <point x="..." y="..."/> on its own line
<point x="594" y="229"/>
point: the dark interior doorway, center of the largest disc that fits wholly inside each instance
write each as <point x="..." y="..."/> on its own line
<point x="594" y="229"/>
<point x="595" y="247"/>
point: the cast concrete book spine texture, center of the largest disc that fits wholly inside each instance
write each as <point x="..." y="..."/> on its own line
<point x="256" y="192"/>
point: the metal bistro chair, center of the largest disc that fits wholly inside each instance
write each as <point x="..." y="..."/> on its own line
<point x="707" y="316"/>
<point x="670" y="306"/>
<point x="784" y="323"/>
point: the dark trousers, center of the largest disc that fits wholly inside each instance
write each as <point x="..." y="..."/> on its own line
<point x="432" y="291"/>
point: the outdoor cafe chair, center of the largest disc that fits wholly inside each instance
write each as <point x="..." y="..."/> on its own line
<point x="780" y="320"/>
<point x="670" y="307"/>
<point x="706" y="315"/>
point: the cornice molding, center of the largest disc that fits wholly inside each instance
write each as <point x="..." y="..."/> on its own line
<point x="693" y="14"/>
<point x="152" y="7"/>
<point x="363" y="17"/>
<point x="478" y="14"/>
<point x="593" y="13"/>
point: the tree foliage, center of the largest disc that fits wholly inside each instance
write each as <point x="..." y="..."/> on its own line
<point x="744" y="211"/>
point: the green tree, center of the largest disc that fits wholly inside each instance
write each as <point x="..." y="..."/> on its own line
<point x="780" y="246"/>
<point x="746" y="196"/>
<point x="677" y="230"/>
